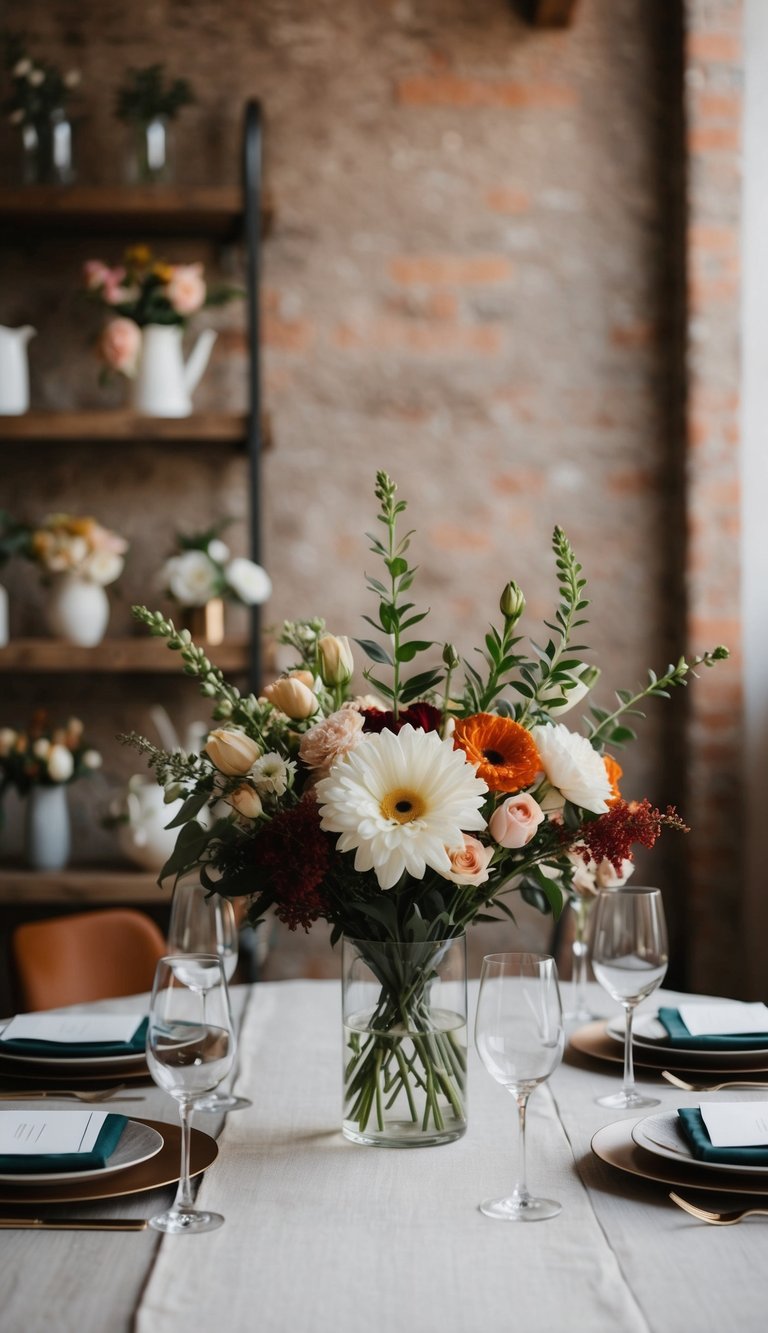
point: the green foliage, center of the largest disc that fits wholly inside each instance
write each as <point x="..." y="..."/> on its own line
<point x="146" y="94"/>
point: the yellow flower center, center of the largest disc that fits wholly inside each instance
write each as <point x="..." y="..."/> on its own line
<point x="403" y="805"/>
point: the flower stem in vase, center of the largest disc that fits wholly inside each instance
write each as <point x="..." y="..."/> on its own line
<point x="579" y="1010"/>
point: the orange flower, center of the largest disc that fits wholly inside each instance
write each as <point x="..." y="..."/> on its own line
<point x="613" y="771"/>
<point x="502" y="751"/>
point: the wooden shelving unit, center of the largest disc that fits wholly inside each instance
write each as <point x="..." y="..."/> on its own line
<point x="89" y="886"/>
<point x="132" y="210"/>
<point x="134" y="655"/>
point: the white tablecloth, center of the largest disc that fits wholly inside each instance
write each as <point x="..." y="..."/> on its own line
<point x="324" y="1235"/>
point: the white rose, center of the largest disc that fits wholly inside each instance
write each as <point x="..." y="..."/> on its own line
<point x="61" y="765"/>
<point x="92" y="759"/>
<point x="572" y="766"/>
<point x="7" y="740"/>
<point x="248" y="581"/>
<point x="218" y="551"/>
<point x="608" y="877"/>
<point x="42" y="748"/>
<point x="585" y="678"/>
<point x="102" y="567"/>
<point x="190" y="578"/>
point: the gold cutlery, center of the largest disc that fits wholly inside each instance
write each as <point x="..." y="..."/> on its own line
<point x="73" y="1223"/>
<point x="712" y="1087"/>
<point x="97" y="1095"/>
<point x="726" y="1219"/>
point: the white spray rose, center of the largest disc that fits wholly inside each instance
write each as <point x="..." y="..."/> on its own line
<point x="248" y="581"/>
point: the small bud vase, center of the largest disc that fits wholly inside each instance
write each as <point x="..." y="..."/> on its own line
<point x="46" y="830"/>
<point x="78" y="610"/>
<point x="404" y="1041"/>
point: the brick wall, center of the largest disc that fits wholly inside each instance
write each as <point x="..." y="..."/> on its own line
<point x="468" y="282"/>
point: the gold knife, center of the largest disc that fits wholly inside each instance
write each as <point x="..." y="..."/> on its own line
<point x="73" y="1223"/>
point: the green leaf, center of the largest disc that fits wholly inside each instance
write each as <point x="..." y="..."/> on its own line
<point x="374" y="651"/>
<point x="407" y="651"/>
<point x="191" y="807"/>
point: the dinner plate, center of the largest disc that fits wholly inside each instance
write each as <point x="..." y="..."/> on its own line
<point x="661" y="1136"/>
<point x="157" y="1171"/>
<point x="593" y="1040"/>
<point x="131" y="1061"/>
<point x="651" y="1035"/>
<point x="614" y="1145"/>
<point x="138" y="1142"/>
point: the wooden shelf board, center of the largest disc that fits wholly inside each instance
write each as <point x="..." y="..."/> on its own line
<point x="114" y="426"/>
<point x="89" y="886"/>
<point x="214" y="210"/>
<point x="129" y="656"/>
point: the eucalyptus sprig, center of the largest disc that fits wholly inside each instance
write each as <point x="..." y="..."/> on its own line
<point x="605" y="729"/>
<point x="395" y="616"/>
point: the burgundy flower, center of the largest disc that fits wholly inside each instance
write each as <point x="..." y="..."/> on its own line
<point x="422" y="715"/>
<point x="293" y="856"/>
<point x="611" y="836"/>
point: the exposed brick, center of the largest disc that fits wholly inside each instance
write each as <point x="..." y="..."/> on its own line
<point x="631" y="481"/>
<point x="505" y="199"/>
<point x="714" y="138"/>
<point x="717" y="106"/>
<point x="423" y="338"/>
<point x="456" y="91"/>
<point x="714" y="48"/>
<point x="450" y="270"/>
<point x="640" y="333"/>
<point x="452" y="537"/>
<point x="709" y="236"/>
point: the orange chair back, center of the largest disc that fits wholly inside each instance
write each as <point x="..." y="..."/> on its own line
<point x="89" y="956"/>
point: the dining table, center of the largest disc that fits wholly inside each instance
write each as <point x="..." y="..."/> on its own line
<point x="322" y="1234"/>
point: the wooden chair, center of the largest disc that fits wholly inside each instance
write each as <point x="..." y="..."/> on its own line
<point x="88" y="956"/>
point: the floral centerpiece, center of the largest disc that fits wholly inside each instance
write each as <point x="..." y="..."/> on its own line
<point x="402" y="816"/>
<point x="202" y="567"/>
<point x="74" y="544"/>
<point x="44" y="754"/>
<point x="148" y="103"/>
<point x="142" y="291"/>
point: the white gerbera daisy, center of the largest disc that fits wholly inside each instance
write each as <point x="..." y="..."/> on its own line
<point x="399" y="800"/>
<point x="571" y="765"/>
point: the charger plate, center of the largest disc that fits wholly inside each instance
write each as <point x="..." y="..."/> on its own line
<point x="595" y="1041"/>
<point x="21" y="1072"/>
<point x="160" y="1170"/>
<point x="614" y="1145"/>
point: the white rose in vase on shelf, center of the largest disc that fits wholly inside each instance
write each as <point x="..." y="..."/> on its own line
<point x="202" y="574"/>
<point x="80" y="558"/>
<point x="40" y="762"/>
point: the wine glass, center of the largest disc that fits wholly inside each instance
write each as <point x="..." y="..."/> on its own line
<point x="629" y="959"/>
<point x="203" y="922"/>
<point x="190" y="1049"/>
<point x="519" y="1037"/>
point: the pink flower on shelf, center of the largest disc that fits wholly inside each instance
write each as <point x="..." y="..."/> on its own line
<point x="95" y="274"/>
<point x="120" y="345"/>
<point x="186" y="288"/>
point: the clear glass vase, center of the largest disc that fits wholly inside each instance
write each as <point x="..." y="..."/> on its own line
<point x="150" y="156"/>
<point x="404" y="1041"/>
<point x="48" y="151"/>
<point x="578" y="1010"/>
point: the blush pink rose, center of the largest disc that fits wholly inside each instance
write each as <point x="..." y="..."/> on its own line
<point x="469" y="864"/>
<point x="120" y="345"/>
<point x="186" y="288"/>
<point x="335" y="735"/>
<point x="515" y="822"/>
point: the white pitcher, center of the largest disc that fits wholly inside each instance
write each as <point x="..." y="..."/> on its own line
<point x="14" y="370"/>
<point x="164" y="384"/>
<point x="143" y="837"/>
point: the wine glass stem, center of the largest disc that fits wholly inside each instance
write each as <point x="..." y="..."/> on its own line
<point x="521" y="1188"/>
<point x="629" y="1070"/>
<point x="183" y="1200"/>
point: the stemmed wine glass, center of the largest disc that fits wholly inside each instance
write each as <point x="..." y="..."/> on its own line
<point x="190" y="1049"/>
<point x="204" y="922"/>
<point x="629" y="959"/>
<point x="519" y="1037"/>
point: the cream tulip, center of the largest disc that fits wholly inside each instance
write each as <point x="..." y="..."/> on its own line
<point x="336" y="660"/>
<point x="292" y="697"/>
<point x="245" y="801"/>
<point x="232" y="752"/>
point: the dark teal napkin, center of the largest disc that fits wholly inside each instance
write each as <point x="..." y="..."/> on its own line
<point x="79" y="1050"/>
<point x="27" y="1163"/>
<point x="680" y="1036"/>
<point x="697" y="1137"/>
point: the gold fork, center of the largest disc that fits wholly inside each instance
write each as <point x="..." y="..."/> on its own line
<point x="726" y="1219"/>
<point x="712" y="1087"/>
<point x="96" y="1095"/>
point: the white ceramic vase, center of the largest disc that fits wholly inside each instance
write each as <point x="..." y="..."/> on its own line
<point x="164" y="382"/>
<point x="4" y="618"/>
<point x="78" y="610"/>
<point x="14" y="370"/>
<point x="143" y="838"/>
<point x="46" y="830"/>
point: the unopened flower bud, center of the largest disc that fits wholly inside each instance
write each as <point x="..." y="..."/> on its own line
<point x="336" y="660"/>
<point x="451" y="658"/>
<point x="512" y="602"/>
<point x="245" y="801"/>
<point x="173" y="792"/>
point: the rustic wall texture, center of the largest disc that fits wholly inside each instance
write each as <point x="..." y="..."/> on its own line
<point x="474" y="280"/>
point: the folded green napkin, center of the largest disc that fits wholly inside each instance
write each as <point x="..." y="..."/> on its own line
<point x="27" y="1163"/>
<point x="66" y="1050"/>
<point x="680" y="1036"/>
<point x="697" y="1137"/>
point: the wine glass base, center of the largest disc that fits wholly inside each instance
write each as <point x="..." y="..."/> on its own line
<point x="179" y="1222"/>
<point x="222" y="1102"/>
<point x="520" y="1210"/>
<point x="627" y="1101"/>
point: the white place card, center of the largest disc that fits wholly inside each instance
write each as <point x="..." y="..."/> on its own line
<point x="724" y="1018"/>
<point x="23" y="1133"/>
<point x="736" y="1124"/>
<point x="70" y="1028"/>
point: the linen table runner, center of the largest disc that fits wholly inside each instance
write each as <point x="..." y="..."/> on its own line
<point x="321" y="1234"/>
